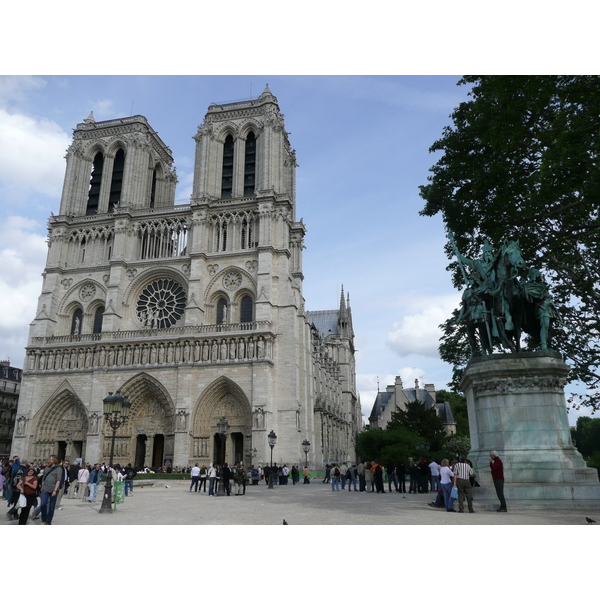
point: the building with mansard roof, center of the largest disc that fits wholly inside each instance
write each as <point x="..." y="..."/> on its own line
<point x="397" y="397"/>
<point x="193" y="312"/>
<point x="10" y="387"/>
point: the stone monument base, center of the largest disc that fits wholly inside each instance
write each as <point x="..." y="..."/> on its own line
<point x="516" y="406"/>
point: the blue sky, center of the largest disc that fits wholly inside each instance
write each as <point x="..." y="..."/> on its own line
<point x="362" y="147"/>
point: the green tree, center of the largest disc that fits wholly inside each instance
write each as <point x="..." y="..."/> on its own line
<point x="586" y="436"/>
<point x="521" y="160"/>
<point x="458" y="405"/>
<point x="422" y="421"/>
<point x="388" y="446"/>
<point x="456" y="445"/>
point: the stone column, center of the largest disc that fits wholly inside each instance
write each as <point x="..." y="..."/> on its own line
<point x="516" y="406"/>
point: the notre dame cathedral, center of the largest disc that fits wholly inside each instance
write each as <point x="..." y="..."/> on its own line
<point x="193" y="312"/>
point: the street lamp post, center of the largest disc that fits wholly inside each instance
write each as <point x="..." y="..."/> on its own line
<point x="116" y="413"/>
<point x="223" y="426"/>
<point x="272" y="440"/>
<point x="306" y="448"/>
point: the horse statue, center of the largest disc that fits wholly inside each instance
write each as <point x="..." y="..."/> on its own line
<point x="503" y="299"/>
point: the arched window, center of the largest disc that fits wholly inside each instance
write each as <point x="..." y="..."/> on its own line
<point x="227" y="175"/>
<point x="76" y="322"/>
<point x="222" y="312"/>
<point x="98" y="319"/>
<point x="224" y="237"/>
<point x="250" y="165"/>
<point x="153" y="189"/>
<point x="246" y="310"/>
<point x="116" y="181"/>
<point x="95" y="182"/>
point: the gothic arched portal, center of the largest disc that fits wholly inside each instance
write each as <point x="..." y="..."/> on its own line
<point x="62" y="428"/>
<point x="222" y="398"/>
<point x="148" y="437"/>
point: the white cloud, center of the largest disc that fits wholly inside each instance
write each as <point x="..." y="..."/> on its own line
<point x="15" y="87"/>
<point x="31" y="154"/>
<point x="22" y="255"/>
<point x="418" y="332"/>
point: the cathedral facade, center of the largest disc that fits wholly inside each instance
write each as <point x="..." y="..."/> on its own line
<point x="193" y="312"/>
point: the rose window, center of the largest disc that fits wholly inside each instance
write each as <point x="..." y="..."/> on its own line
<point x="161" y="304"/>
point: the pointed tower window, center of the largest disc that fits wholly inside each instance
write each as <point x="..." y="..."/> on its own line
<point x="153" y="189"/>
<point x="250" y="165"/>
<point x="116" y="180"/>
<point x="227" y="175"/>
<point x="98" y="319"/>
<point x="95" y="182"/>
<point x="246" y="311"/>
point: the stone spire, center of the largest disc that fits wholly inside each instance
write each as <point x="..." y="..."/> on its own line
<point x="90" y="119"/>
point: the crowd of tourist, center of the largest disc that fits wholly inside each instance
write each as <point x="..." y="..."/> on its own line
<point x="35" y="491"/>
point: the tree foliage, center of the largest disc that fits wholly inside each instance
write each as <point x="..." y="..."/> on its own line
<point x="456" y="445"/>
<point x="388" y="446"/>
<point x="586" y="436"/>
<point x="458" y="405"/>
<point x="423" y="422"/>
<point x="521" y="161"/>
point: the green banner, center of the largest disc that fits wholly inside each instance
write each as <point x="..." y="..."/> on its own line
<point x="118" y="492"/>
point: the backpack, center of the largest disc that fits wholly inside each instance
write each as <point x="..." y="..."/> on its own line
<point x="336" y="472"/>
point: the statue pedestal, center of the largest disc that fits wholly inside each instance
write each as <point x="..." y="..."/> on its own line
<point x="516" y="405"/>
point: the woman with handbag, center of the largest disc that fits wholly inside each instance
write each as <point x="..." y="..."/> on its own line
<point x="446" y="477"/>
<point x="27" y="486"/>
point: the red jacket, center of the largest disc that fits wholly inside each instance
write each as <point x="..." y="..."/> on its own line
<point x="497" y="469"/>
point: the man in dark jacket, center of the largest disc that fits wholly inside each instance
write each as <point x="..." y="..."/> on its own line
<point x="498" y="478"/>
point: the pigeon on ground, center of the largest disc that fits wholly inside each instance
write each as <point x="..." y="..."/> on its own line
<point x="590" y="521"/>
<point x="285" y="522"/>
<point x="167" y="486"/>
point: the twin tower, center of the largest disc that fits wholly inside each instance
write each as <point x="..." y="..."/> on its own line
<point x="194" y="312"/>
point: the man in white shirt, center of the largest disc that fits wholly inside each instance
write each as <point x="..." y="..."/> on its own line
<point x="435" y="475"/>
<point x="195" y="473"/>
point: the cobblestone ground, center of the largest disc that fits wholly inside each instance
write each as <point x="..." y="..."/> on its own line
<point x="171" y="503"/>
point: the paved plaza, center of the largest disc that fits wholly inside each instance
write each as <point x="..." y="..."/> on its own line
<point x="313" y="504"/>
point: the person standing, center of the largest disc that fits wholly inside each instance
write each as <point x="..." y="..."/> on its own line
<point x="28" y="486"/>
<point x="64" y="486"/>
<point x="295" y="475"/>
<point x="306" y="475"/>
<point x="212" y="477"/>
<point x="369" y="477"/>
<point x="52" y="479"/>
<point x="434" y="469"/>
<point x="401" y="476"/>
<point x="203" y="475"/>
<point x="82" y="482"/>
<point x="96" y="476"/>
<point x="462" y="472"/>
<point x="391" y="475"/>
<point x="130" y="473"/>
<point x="226" y="474"/>
<point x="361" y="477"/>
<point x="195" y="473"/>
<point x="446" y="477"/>
<point x="334" y="474"/>
<point x="378" y="477"/>
<point x="498" y="477"/>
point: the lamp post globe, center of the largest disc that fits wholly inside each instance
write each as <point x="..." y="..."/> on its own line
<point x="306" y="448"/>
<point x="272" y="441"/>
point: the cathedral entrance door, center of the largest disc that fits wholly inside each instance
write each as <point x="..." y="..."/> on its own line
<point x="140" y="452"/>
<point x="62" y="451"/>
<point x="237" y="441"/>
<point x="219" y="450"/>
<point x="158" y="451"/>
